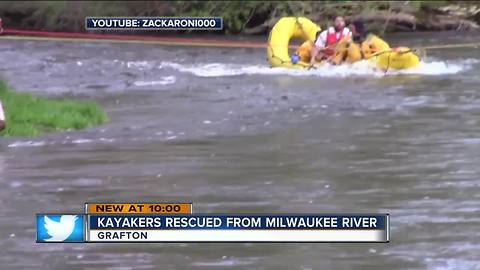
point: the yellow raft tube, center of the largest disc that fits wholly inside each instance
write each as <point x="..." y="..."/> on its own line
<point x="285" y="29"/>
<point x="373" y="49"/>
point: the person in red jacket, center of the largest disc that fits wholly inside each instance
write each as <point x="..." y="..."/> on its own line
<point x="324" y="45"/>
<point x="1" y="26"/>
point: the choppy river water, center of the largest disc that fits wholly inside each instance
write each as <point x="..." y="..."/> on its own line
<point x="221" y="128"/>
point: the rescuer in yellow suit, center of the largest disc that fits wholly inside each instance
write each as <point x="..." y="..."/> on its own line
<point x="349" y="49"/>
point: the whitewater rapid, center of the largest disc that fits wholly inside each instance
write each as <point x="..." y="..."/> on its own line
<point x="362" y="68"/>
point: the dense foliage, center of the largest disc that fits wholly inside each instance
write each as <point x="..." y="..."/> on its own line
<point x="239" y="16"/>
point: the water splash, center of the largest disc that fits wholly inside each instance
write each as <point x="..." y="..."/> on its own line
<point x="361" y="69"/>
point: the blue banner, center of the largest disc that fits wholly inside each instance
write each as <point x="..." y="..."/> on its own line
<point x="240" y="222"/>
<point x="60" y="228"/>
<point x="153" y="23"/>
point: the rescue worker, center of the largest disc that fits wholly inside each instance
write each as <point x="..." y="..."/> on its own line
<point x="358" y="31"/>
<point x="349" y="50"/>
<point x="326" y="41"/>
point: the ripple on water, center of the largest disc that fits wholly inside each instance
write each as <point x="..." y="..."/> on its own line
<point x="226" y="261"/>
<point x="164" y="81"/>
<point x="417" y="161"/>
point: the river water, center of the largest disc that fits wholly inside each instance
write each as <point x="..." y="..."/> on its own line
<point x="220" y="128"/>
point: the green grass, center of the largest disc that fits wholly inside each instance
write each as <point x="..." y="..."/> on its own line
<point x="28" y="115"/>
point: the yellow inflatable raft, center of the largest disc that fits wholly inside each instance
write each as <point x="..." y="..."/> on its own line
<point x="397" y="58"/>
<point x="377" y="50"/>
<point x="285" y="29"/>
<point x="373" y="48"/>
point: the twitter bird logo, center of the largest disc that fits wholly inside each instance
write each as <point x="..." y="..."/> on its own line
<point x="60" y="228"/>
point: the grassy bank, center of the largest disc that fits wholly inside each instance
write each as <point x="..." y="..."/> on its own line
<point x="29" y="115"/>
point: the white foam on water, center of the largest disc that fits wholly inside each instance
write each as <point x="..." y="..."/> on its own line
<point x="27" y="143"/>
<point x="362" y="68"/>
<point x="81" y="141"/>
<point x="107" y="140"/>
<point x="435" y="68"/>
<point x="138" y="64"/>
<point x="84" y="141"/>
<point x="164" y="81"/>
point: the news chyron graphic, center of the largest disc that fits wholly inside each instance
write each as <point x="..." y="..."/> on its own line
<point x="60" y="228"/>
<point x="175" y="222"/>
<point x="153" y="23"/>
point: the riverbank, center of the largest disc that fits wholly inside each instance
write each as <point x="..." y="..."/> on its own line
<point x="29" y="115"/>
<point x="249" y="17"/>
